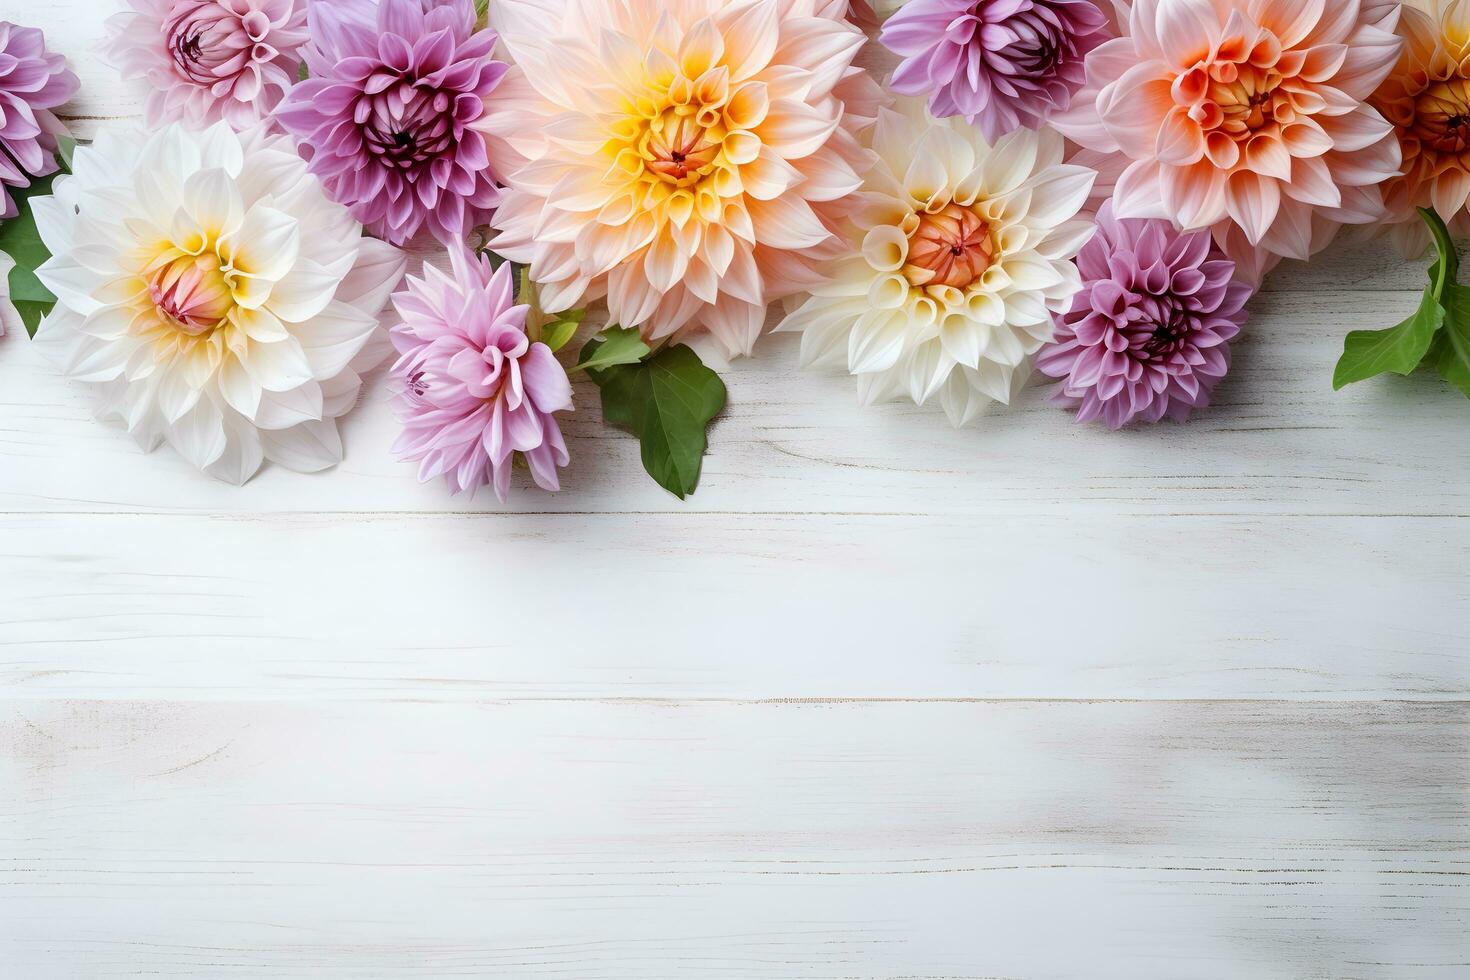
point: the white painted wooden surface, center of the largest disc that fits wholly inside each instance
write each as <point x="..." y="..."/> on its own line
<point x="883" y="699"/>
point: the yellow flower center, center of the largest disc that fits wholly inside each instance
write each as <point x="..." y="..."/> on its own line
<point x="190" y="292"/>
<point x="1442" y="115"/>
<point x="678" y="148"/>
<point x="951" y="247"/>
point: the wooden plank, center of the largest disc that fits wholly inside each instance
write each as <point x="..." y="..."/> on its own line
<point x="1280" y="441"/>
<point x="654" y="840"/>
<point x="462" y="608"/>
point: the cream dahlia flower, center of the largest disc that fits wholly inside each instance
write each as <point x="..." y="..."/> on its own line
<point x="214" y="295"/>
<point x="952" y="265"/>
<point x="688" y="160"/>
<point x="1249" y="117"/>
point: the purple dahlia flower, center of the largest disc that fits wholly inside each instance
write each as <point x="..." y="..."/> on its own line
<point x="385" y="117"/>
<point x="33" y="81"/>
<point x="1148" y="335"/>
<point x="1002" y="64"/>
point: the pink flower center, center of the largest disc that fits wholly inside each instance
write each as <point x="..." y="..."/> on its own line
<point x="196" y="34"/>
<point x="1442" y="116"/>
<point x="191" y="294"/>
<point x="951" y="247"/>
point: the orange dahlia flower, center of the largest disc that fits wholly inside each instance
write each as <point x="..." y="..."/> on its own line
<point x="1427" y="100"/>
<point x="1248" y="117"/>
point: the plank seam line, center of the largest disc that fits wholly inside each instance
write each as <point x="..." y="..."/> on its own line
<point x="502" y="515"/>
<point x="769" y="701"/>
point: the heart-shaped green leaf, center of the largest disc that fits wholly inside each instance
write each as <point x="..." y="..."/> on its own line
<point x="20" y="240"/>
<point x="668" y="401"/>
<point x="1398" y="349"/>
<point x="1402" y="348"/>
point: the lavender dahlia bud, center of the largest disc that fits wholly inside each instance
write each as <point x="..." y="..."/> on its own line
<point x="210" y="60"/>
<point x="1002" y="64"/>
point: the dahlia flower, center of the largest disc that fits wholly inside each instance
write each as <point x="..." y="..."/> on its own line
<point x="210" y="60"/>
<point x="688" y="161"/>
<point x="214" y="296"/>
<point x="476" y="390"/>
<point x="385" y="116"/>
<point x="1426" y="98"/>
<point x="952" y="267"/>
<point x="33" y="81"/>
<point x="1248" y="117"/>
<point x="999" y="63"/>
<point x="1148" y="335"/>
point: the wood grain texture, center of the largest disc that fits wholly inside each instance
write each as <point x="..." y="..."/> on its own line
<point x="883" y="700"/>
<point x="454" y="607"/>
<point x="1279" y="441"/>
<point x="662" y="840"/>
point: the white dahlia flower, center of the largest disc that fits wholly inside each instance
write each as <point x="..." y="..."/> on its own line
<point x="214" y="295"/>
<point x="954" y="261"/>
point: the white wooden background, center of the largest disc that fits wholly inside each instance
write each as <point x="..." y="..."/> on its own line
<point x="883" y="699"/>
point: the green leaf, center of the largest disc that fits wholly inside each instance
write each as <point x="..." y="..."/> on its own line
<point x="1399" y="349"/>
<point x="1450" y="355"/>
<point x="22" y="242"/>
<point x="668" y="401"/>
<point x="1402" y="348"/>
<point x="555" y="333"/>
<point x="482" y="11"/>
<point x="66" y="149"/>
<point x="613" y="347"/>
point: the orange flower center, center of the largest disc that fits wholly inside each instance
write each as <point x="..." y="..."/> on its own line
<point x="1442" y="116"/>
<point x="951" y="247"/>
<point x="190" y="292"/>
<point x="1241" y="100"/>
<point x="679" y="149"/>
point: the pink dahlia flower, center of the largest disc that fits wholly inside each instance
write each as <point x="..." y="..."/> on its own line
<point x="475" y="389"/>
<point x="1249" y="117"/>
<point x="1002" y="64"/>
<point x="210" y="60"/>
<point x="33" y="81"/>
<point x="689" y="161"/>
<point x="385" y="116"/>
<point x="1148" y="335"/>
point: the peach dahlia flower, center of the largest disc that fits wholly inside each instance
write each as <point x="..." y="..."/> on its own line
<point x="1426" y="98"/>
<point x="1249" y="117"/>
<point x="688" y="160"/>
